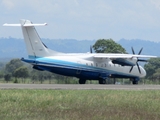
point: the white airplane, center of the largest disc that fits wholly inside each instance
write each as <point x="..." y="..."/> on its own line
<point x="85" y="66"/>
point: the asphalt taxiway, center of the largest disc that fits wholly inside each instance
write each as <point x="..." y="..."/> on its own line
<point x="79" y="87"/>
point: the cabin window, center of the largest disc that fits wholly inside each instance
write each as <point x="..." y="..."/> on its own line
<point x="91" y="64"/>
<point x="96" y="65"/>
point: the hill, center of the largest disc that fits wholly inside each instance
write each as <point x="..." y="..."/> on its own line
<point x="149" y="47"/>
<point x="15" y="48"/>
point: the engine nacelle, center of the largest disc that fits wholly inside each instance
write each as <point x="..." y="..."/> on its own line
<point x="125" y="62"/>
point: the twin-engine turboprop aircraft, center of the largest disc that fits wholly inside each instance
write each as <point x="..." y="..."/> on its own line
<point x="85" y="66"/>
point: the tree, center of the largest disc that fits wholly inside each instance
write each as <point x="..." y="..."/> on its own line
<point x="7" y="77"/>
<point x="41" y="75"/>
<point x="108" y="46"/>
<point x="1" y="74"/>
<point x="21" y="72"/>
<point x="13" y="65"/>
<point x="2" y="65"/>
<point x="156" y="75"/>
<point x="151" y="67"/>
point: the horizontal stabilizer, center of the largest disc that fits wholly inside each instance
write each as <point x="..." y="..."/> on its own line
<point x="6" y="24"/>
<point x="25" y="25"/>
<point x="28" y="25"/>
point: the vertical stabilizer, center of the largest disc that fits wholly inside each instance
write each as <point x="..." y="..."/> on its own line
<point x="34" y="45"/>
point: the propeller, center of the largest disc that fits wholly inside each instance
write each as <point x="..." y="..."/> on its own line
<point x="91" y="49"/>
<point x="138" y="60"/>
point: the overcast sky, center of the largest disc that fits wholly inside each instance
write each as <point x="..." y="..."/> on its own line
<point x="84" y="19"/>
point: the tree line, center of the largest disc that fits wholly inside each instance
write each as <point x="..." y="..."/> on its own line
<point x="17" y="71"/>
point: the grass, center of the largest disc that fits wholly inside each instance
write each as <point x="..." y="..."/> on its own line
<point x="79" y="105"/>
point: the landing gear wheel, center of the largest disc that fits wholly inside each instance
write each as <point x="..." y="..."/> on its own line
<point x="82" y="81"/>
<point x="134" y="82"/>
<point x="102" y="81"/>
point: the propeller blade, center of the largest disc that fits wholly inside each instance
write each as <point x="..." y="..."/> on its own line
<point x="139" y="68"/>
<point x="140" y="51"/>
<point x="133" y="54"/>
<point x="91" y="49"/>
<point x="131" y="68"/>
<point x="140" y="60"/>
<point x="133" y="51"/>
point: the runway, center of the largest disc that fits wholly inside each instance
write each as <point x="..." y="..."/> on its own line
<point x="79" y="87"/>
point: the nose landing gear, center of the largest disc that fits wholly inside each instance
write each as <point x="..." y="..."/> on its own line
<point x="135" y="81"/>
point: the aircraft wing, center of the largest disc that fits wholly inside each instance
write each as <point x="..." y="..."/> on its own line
<point x="123" y="59"/>
<point x="125" y="56"/>
<point x="25" y="25"/>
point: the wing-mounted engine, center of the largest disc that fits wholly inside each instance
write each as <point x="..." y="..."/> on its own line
<point x="125" y="62"/>
<point x="123" y="59"/>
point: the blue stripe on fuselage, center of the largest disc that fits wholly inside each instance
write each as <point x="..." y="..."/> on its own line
<point x="70" y="68"/>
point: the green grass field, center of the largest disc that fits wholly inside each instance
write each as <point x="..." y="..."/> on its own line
<point x="79" y="105"/>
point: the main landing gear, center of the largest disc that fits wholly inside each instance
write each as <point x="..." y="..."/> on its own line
<point x="102" y="81"/>
<point x="82" y="81"/>
<point x="134" y="82"/>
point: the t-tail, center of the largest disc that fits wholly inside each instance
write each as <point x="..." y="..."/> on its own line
<point x="34" y="45"/>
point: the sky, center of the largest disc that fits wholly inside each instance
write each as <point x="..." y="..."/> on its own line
<point x="84" y="19"/>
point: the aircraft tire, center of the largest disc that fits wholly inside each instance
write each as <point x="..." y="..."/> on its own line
<point x="134" y="82"/>
<point x="102" y="81"/>
<point x="82" y="81"/>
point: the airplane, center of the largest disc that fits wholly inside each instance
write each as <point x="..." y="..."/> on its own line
<point x="85" y="66"/>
